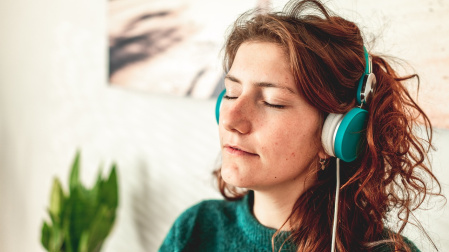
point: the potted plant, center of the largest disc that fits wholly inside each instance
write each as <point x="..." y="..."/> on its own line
<point x="81" y="218"/>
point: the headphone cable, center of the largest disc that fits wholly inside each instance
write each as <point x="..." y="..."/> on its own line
<point x="337" y="193"/>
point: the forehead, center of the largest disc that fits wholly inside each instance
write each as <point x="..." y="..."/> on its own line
<point x="264" y="61"/>
<point x="261" y="51"/>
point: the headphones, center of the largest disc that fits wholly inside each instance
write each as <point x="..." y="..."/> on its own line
<point x="342" y="133"/>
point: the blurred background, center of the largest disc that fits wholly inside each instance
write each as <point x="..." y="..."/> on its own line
<point x="63" y="88"/>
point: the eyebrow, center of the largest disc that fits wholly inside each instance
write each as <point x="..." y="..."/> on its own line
<point x="261" y="84"/>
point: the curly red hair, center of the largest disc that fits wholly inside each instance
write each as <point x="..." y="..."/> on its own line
<point x="327" y="59"/>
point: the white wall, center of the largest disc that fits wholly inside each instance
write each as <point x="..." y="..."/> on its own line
<point x="54" y="99"/>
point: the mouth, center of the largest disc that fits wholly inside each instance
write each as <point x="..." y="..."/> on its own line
<point x="235" y="150"/>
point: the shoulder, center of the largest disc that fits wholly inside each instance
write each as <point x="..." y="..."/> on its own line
<point x="412" y="245"/>
<point x="199" y="214"/>
<point x="389" y="247"/>
<point x="199" y="221"/>
<point x="208" y="209"/>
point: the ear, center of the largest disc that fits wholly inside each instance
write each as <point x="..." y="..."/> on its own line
<point x="322" y="154"/>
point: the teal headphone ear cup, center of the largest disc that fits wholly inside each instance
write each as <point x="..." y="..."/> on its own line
<point x="342" y="134"/>
<point x="349" y="134"/>
<point x="328" y="132"/>
<point x="218" y="105"/>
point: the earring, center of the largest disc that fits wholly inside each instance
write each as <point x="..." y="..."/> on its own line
<point x="323" y="163"/>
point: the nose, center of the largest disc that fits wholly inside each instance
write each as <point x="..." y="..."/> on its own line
<point x="236" y="115"/>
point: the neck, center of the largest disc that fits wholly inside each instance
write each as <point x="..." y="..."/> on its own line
<point x="272" y="208"/>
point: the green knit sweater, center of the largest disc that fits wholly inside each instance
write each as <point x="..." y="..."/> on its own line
<point x="218" y="225"/>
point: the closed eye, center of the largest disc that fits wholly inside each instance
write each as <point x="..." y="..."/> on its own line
<point x="227" y="97"/>
<point x="230" y="97"/>
<point x="274" y="105"/>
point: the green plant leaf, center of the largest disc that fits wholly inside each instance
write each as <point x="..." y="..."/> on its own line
<point x="81" y="216"/>
<point x="100" y="228"/>
<point x="109" y="189"/>
<point x="83" y="246"/>
<point x="96" y="188"/>
<point x="45" y="236"/>
<point x="56" y="201"/>
<point x="67" y="245"/>
<point x="57" y="238"/>
<point x="74" y="174"/>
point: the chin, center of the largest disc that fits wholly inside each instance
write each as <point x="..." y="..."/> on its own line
<point x="233" y="176"/>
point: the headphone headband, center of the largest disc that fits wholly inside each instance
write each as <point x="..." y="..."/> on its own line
<point x="367" y="81"/>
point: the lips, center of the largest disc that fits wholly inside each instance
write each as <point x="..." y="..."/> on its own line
<point x="237" y="150"/>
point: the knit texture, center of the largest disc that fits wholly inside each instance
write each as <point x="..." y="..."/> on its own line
<point x="219" y="225"/>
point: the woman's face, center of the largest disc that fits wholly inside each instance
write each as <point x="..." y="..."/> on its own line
<point x="269" y="134"/>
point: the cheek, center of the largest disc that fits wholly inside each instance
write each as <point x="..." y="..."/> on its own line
<point x="220" y="133"/>
<point x="292" y="145"/>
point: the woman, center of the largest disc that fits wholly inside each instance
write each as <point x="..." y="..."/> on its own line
<point x="286" y="73"/>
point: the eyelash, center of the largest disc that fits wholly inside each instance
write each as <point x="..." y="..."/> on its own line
<point x="265" y="103"/>
<point x="274" y="105"/>
<point x="229" y="97"/>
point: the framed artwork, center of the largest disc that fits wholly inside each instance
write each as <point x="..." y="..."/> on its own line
<point x="171" y="46"/>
